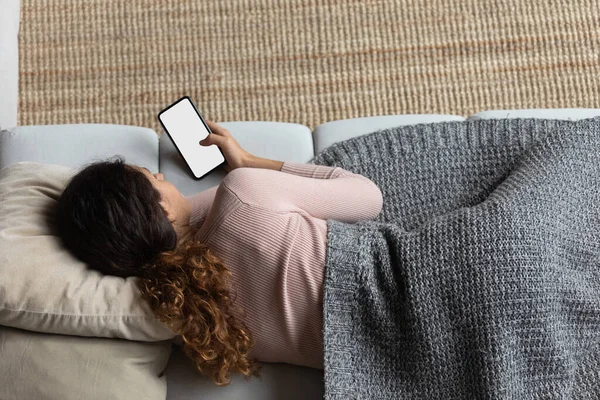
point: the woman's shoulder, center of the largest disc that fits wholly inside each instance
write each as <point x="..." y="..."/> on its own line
<point x="259" y="189"/>
<point x="241" y="175"/>
<point x="248" y="184"/>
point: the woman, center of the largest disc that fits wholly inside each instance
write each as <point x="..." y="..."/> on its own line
<point x="236" y="270"/>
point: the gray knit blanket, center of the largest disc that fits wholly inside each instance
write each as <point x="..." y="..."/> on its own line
<point x="480" y="279"/>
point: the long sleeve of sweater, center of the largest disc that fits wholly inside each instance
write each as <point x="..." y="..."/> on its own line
<point x="337" y="194"/>
<point x="323" y="192"/>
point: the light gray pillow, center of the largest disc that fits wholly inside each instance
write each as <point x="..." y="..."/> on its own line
<point x="45" y="288"/>
<point x="42" y="366"/>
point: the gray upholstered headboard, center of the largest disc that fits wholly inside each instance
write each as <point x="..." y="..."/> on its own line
<point x="9" y="62"/>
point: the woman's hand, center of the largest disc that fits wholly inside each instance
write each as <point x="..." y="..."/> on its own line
<point x="235" y="156"/>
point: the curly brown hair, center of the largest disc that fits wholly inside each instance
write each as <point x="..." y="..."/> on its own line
<point x="109" y="215"/>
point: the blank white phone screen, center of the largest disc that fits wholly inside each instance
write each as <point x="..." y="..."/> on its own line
<point x="186" y="129"/>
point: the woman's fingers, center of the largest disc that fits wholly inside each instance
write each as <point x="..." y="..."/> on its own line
<point x="216" y="129"/>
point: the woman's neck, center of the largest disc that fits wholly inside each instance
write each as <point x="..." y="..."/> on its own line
<point x="186" y="234"/>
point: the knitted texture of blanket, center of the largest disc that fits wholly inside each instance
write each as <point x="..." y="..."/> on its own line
<point x="480" y="278"/>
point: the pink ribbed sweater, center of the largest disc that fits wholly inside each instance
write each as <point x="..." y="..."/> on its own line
<point x="269" y="227"/>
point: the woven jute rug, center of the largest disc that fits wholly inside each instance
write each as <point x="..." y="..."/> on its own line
<point x="303" y="61"/>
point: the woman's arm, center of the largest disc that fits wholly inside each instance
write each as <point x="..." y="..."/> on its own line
<point x="322" y="191"/>
<point x="252" y="161"/>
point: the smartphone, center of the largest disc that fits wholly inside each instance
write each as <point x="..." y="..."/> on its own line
<point x="185" y="126"/>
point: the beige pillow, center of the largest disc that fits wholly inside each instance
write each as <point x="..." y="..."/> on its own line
<point x="43" y="287"/>
<point x="42" y="366"/>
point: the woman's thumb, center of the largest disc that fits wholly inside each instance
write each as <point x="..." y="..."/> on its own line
<point x="213" y="139"/>
<point x="207" y="141"/>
